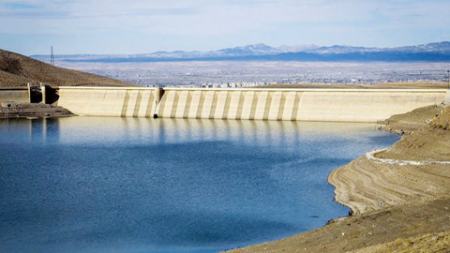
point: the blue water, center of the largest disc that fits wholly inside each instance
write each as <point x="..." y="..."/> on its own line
<point x="138" y="185"/>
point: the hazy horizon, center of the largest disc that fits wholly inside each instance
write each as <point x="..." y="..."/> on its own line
<point x="299" y="47"/>
<point x="115" y="27"/>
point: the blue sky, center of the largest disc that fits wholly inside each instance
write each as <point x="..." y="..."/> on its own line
<point x="131" y="26"/>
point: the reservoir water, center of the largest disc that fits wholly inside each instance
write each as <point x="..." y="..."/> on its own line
<point x="141" y="185"/>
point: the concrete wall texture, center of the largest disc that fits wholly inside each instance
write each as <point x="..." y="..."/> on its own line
<point x="341" y="105"/>
<point x="101" y="101"/>
<point x="14" y="95"/>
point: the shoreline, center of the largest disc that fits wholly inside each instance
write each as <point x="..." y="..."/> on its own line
<point x="398" y="174"/>
<point x="401" y="181"/>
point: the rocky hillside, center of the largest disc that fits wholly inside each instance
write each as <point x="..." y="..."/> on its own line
<point x="17" y="70"/>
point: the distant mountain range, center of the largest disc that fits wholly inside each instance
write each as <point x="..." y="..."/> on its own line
<point x="439" y="51"/>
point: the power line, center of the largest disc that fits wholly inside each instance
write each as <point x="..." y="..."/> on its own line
<point x="448" y="79"/>
<point x="52" y="57"/>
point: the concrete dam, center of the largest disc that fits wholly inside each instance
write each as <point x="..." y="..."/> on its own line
<point x="338" y="105"/>
<point x="18" y="95"/>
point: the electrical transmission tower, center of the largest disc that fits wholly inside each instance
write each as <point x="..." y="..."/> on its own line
<point x="448" y="79"/>
<point x="52" y="57"/>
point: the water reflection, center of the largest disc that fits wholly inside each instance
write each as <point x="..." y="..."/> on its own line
<point x="147" y="131"/>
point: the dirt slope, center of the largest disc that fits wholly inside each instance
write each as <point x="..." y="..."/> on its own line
<point x="412" y="120"/>
<point x="16" y="70"/>
<point x="427" y="135"/>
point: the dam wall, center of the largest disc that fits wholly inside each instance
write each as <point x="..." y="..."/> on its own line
<point x="341" y="105"/>
<point x="338" y="105"/>
<point x="18" y="95"/>
<point x="109" y="101"/>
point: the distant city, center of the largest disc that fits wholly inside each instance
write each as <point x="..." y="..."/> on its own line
<point x="260" y="73"/>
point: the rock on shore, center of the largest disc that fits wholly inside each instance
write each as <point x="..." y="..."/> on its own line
<point x="12" y="110"/>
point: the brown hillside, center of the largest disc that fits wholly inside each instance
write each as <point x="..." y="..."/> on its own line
<point x="16" y="70"/>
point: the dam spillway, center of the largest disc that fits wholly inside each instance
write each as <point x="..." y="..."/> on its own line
<point x="338" y="105"/>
